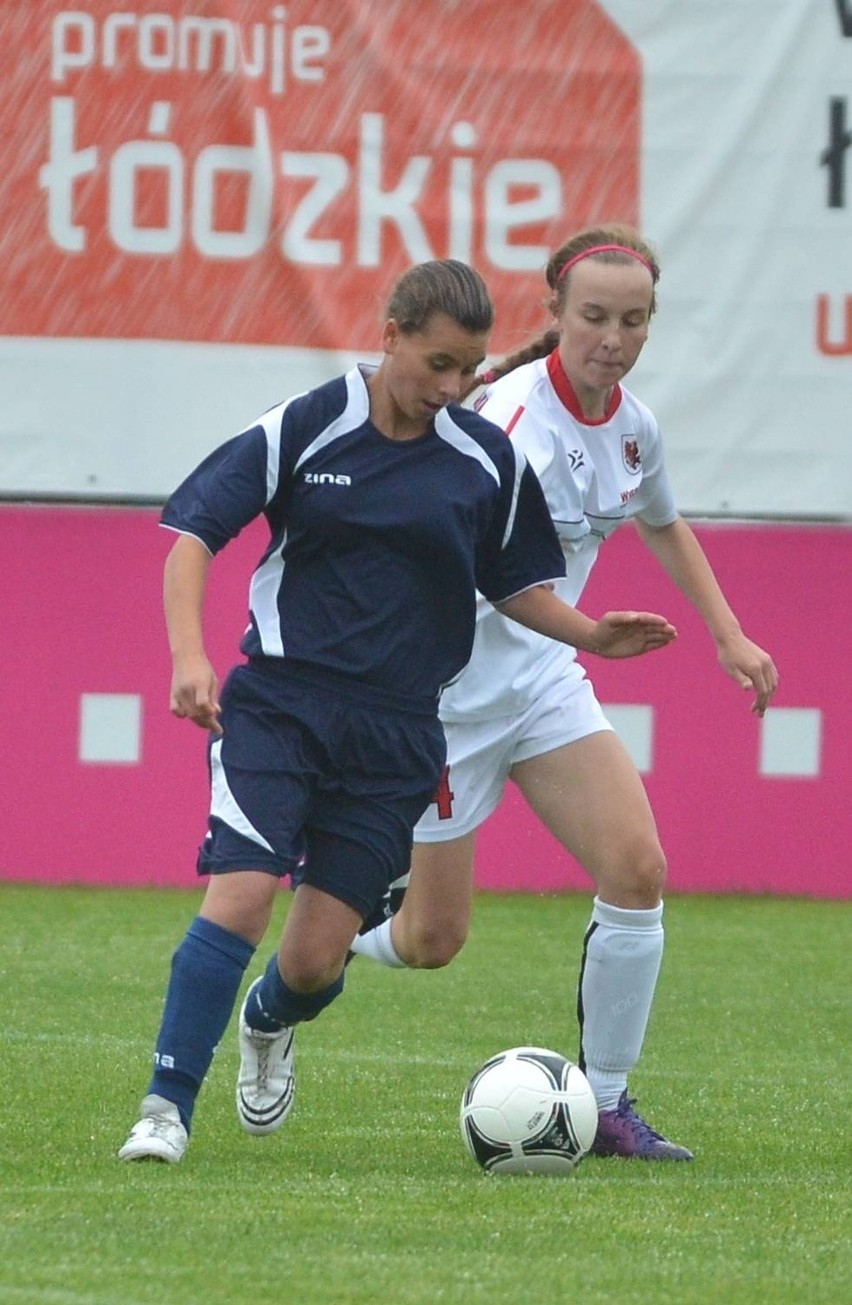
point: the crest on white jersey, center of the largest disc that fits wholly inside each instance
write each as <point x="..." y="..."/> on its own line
<point x="630" y="454"/>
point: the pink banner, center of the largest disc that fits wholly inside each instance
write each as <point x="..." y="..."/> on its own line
<point x="102" y="785"/>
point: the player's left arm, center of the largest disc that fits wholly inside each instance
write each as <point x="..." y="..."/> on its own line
<point x="678" y="551"/>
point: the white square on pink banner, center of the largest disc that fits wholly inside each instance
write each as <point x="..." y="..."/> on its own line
<point x="634" y="725"/>
<point x="110" y="728"/>
<point x="790" y="741"/>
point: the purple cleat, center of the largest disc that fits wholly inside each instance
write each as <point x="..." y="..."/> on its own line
<point x="624" y="1133"/>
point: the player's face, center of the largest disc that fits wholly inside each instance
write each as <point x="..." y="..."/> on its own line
<point x="425" y="370"/>
<point x="603" y="325"/>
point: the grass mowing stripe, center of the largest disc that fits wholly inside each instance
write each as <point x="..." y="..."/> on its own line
<point x="367" y="1194"/>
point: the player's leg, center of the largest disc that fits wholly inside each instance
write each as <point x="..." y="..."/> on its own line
<point x="206" y="971"/>
<point x="340" y="881"/>
<point x="306" y="972"/>
<point x="431" y="924"/>
<point x="303" y="977"/>
<point x="590" y="796"/>
<point x="254" y="837"/>
<point x="357" y="842"/>
<point x="387" y="906"/>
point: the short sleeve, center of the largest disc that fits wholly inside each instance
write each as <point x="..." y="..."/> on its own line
<point x="224" y="493"/>
<point x="656" y="504"/>
<point x="523" y="548"/>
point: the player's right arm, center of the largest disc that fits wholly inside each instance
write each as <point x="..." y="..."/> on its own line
<point x="210" y="507"/>
<point x="617" y="634"/>
<point x="194" y="688"/>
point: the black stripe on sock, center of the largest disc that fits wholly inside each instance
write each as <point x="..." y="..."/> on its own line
<point x="580" y="1013"/>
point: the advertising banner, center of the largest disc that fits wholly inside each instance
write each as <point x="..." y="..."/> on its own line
<point x="104" y="786"/>
<point x="206" y="202"/>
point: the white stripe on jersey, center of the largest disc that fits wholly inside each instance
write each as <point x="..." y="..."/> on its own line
<point x="520" y="464"/>
<point x="462" y="442"/>
<point x="271" y="423"/>
<point x="266" y="581"/>
<point x="263" y="601"/>
<point x="356" y="412"/>
<point x="224" y="805"/>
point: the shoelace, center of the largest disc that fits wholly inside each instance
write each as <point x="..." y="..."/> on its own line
<point x="262" y="1053"/>
<point x="638" y="1124"/>
<point x="159" y="1126"/>
<point x="263" y="1044"/>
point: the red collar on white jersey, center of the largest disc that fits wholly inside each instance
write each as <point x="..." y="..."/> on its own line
<point x="568" y="396"/>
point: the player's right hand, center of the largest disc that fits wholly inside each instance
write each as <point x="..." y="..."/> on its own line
<point x="195" y="693"/>
<point x="629" y="634"/>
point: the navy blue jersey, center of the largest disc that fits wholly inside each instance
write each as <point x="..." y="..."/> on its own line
<point x="377" y="546"/>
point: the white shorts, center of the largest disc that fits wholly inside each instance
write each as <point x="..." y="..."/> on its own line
<point x="481" y="753"/>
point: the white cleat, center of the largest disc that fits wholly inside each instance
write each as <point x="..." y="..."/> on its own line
<point x="159" y="1135"/>
<point x="266" y="1084"/>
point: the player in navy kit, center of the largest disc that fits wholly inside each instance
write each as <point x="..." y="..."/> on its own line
<point x="387" y="510"/>
<point x="523" y="707"/>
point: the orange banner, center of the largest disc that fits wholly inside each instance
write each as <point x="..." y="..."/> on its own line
<point x="253" y="173"/>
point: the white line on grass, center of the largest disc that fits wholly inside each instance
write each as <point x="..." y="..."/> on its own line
<point x="59" y="1296"/>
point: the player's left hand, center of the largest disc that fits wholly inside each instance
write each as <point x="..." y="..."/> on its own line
<point x="751" y="667"/>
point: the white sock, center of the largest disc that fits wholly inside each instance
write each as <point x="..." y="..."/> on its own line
<point x="378" y="945"/>
<point x="621" y="960"/>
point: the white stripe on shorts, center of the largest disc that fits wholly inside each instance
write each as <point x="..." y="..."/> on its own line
<point x="224" y="805"/>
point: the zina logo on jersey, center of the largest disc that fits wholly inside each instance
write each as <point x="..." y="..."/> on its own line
<point x="326" y="478"/>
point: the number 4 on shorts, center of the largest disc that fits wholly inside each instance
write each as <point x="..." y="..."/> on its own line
<point x="444" y="796"/>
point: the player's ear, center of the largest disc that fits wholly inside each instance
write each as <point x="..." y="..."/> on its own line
<point x="390" y="335"/>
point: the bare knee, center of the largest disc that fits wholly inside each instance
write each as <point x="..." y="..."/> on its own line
<point x="635" y="878"/>
<point x="317" y="935"/>
<point x="431" y="926"/>
<point x="306" y="971"/>
<point x="430" y="946"/>
<point x="650" y="879"/>
<point x="241" y="902"/>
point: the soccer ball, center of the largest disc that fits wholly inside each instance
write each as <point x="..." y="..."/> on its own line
<point x="528" y="1111"/>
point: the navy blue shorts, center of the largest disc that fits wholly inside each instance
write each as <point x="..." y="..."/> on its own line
<point x="306" y="775"/>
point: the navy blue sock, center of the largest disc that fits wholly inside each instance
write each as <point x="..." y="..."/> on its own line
<point x="271" y="1004"/>
<point x="207" y="970"/>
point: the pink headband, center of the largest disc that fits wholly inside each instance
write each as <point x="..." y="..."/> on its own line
<point x="605" y="249"/>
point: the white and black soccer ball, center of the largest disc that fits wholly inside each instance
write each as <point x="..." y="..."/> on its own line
<point x="528" y="1111"/>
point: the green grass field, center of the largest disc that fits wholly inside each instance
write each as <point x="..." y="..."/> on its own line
<point x="368" y="1195"/>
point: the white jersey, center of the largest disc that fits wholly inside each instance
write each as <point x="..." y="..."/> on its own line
<point x="595" y="474"/>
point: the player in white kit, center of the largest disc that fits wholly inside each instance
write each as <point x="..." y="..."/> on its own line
<point x="523" y="708"/>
